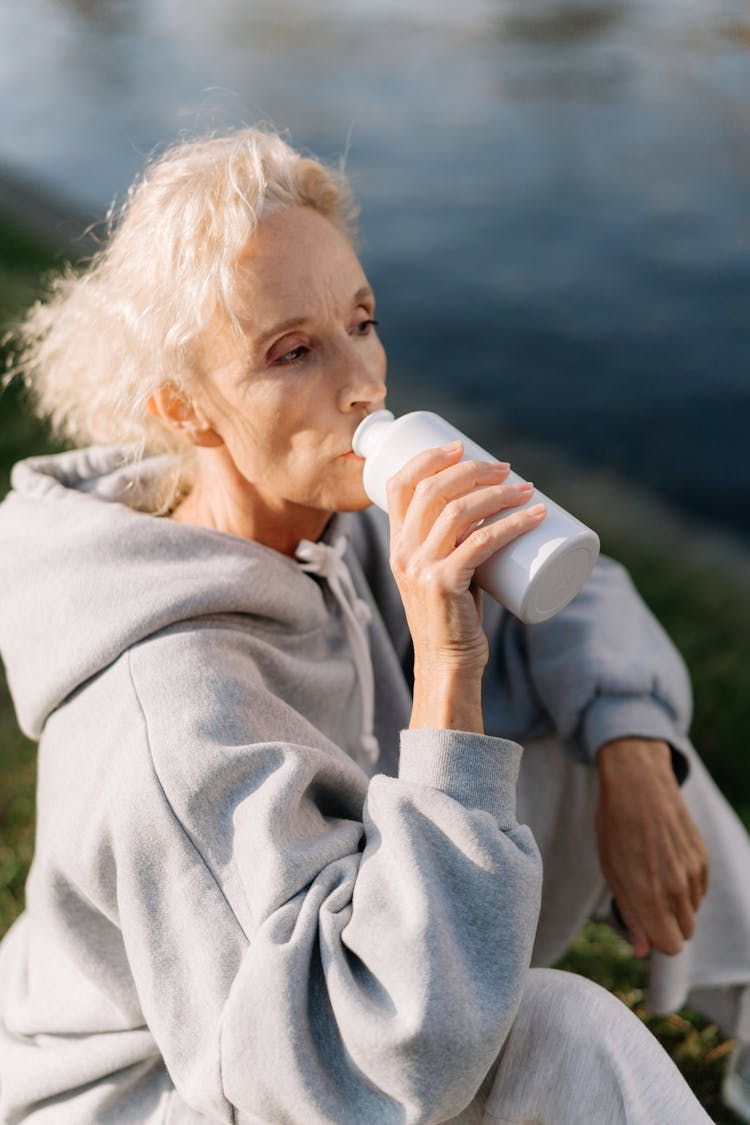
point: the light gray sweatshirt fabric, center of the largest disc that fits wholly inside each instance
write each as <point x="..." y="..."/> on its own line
<point x="221" y="900"/>
<point x="227" y="919"/>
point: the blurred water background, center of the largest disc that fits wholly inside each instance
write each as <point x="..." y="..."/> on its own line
<point x="555" y="193"/>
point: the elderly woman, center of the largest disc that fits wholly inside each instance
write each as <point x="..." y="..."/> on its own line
<point x="271" y="882"/>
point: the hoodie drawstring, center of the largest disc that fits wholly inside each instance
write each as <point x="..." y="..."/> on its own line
<point x="328" y="562"/>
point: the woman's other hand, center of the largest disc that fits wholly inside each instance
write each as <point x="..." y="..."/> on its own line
<point x="650" y="849"/>
<point x="435" y="503"/>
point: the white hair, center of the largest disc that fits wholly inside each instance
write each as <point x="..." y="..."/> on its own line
<point x="107" y="336"/>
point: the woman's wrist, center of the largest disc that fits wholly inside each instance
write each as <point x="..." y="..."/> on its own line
<point x="451" y="700"/>
<point x="625" y="757"/>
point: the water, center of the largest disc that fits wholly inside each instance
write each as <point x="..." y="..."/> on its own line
<point x="556" y="203"/>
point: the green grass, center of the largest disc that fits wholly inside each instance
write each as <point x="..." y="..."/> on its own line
<point x="17" y="786"/>
<point x="24" y="261"/>
<point x="709" y="621"/>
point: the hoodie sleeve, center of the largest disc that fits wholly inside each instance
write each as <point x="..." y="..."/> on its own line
<point x="322" y="947"/>
<point x="603" y="668"/>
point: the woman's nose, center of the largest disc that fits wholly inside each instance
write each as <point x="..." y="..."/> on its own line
<point x="362" y="379"/>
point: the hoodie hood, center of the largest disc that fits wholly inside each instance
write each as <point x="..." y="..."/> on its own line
<point x="84" y="575"/>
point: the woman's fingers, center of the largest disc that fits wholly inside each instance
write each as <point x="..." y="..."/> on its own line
<point x="636" y="930"/>
<point x="402" y="485"/>
<point x="442" y="528"/>
<point x="461" y="515"/>
<point x="427" y="482"/>
<point x="442" y="511"/>
<point x="698" y="862"/>
<point x="451" y="568"/>
<point x="482" y="543"/>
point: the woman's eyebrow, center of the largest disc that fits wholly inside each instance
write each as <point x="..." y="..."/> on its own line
<point x="278" y="330"/>
<point x="363" y="294"/>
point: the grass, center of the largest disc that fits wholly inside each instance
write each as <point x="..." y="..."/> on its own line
<point x="17" y="792"/>
<point x="708" y="619"/>
<point x="24" y="260"/>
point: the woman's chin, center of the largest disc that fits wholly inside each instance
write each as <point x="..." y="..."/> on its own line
<point x="352" y="499"/>
<point x="348" y="492"/>
<point x="354" y="503"/>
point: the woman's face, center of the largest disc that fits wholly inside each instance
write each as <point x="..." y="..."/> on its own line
<point x="286" y="396"/>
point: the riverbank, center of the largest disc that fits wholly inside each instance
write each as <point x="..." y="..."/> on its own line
<point x="697" y="582"/>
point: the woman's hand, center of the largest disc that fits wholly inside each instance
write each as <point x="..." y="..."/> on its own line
<point x="650" y="849"/>
<point x="435" y="503"/>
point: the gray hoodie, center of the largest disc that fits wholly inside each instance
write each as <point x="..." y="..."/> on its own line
<point x="228" y="918"/>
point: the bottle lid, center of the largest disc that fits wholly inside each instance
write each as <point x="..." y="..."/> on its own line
<point x="365" y="440"/>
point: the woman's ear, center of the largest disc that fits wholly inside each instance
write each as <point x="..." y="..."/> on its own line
<point x="178" y="412"/>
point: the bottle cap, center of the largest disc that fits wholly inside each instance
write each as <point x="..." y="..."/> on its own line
<point x="364" y="440"/>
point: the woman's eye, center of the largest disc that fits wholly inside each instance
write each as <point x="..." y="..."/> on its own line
<point x="365" y="326"/>
<point x="293" y="356"/>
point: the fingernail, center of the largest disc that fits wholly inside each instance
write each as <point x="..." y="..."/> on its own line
<point x="451" y="446"/>
<point x="537" y="510"/>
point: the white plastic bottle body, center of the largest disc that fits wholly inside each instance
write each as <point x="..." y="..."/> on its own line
<point x="537" y="574"/>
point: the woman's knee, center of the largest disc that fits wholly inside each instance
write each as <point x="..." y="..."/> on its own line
<point x="557" y="1003"/>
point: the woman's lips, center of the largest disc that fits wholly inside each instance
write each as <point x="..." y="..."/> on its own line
<point x="350" y="455"/>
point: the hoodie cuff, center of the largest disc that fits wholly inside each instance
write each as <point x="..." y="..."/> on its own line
<point x="477" y="770"/>
<point x="611" y="717"/>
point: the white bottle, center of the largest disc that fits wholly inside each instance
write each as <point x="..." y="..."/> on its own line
<point x="537" y="574"/>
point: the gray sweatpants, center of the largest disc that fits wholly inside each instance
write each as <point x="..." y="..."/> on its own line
<point x="556" y="797"/>
<point x="577" y="1056"/>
